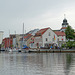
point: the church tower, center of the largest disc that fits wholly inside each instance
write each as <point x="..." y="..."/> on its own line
<point x="64" y="24"/>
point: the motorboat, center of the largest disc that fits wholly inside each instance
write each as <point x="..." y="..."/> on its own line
<point x="14" y="50"/>
<point x="10" y="50"/>
<point x="25" y="50"/>
<point x="2" y="49"/>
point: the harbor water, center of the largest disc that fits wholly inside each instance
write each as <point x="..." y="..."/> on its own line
<point x="14" y="63"/>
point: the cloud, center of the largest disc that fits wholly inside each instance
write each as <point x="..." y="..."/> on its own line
<point x="35" y="14"/>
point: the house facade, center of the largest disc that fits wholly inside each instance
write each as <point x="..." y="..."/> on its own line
<point x="7" y="42"/>
<point x="61" y="37"/>
<point x="45" y="38"/>
<point x="27" y="40"/>
<point x="16" y="38"/>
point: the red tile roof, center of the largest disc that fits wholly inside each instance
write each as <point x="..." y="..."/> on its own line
<point x="41" y="31"/>
<point x="63" y="27"/>
<point x="27" y="36"/>
<point x="60" y="33"/>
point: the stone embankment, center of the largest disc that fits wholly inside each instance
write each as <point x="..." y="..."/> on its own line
<point x="38" y="50"/>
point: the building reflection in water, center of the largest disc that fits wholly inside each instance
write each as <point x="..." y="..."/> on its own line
<point x="37" y="63"/>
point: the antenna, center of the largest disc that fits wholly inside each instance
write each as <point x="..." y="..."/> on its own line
<point x="64" y="16"/>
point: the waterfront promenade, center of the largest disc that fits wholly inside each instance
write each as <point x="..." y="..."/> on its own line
<point x="37" y="50"/>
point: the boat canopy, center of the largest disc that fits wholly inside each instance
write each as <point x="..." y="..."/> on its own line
<point x="24" y="47"/>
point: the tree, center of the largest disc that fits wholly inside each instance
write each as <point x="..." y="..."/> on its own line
<point x="74" y="44"/>
<point x="74" y="36"/>
<point x="69" y="44"/>
<point x="69" y="33"/>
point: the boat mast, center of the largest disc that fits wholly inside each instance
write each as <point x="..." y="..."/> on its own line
<point x="23" y="33"/>
<point x="9" y="38"/>
<point x="15" y="39"/>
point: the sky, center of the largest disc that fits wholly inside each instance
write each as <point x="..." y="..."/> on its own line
<point x="35" y="14"/>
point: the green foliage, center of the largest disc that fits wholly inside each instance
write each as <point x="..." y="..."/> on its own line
<point x="74" y="44"/>
<point x="69" y="44"/>
<point x="63" y="45"/>
<point x="2" y="45"/>
<point x="69" y="33"/>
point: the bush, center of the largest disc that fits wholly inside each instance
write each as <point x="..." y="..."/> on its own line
<point x="74" y="44"/>
<point x="70" y="44"/>
<point x="63" y="46"/>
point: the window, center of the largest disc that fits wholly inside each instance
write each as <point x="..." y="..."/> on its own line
<point x="46" y="39"/>
<point x="49" y="33"/>
<point x="58" y="39"/>
<point x="53" y="39"/>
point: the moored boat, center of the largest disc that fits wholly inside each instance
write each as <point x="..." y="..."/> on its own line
<point x="14" y="50"/>
<point x="26" y="50"/>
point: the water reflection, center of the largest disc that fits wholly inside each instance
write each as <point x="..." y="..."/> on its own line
<point x="37" y="64"/>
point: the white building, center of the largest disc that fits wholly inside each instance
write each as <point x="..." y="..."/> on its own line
<point x="45" y="38"/>
<point x="61" y="37"/>
<point x="1" y="36"/>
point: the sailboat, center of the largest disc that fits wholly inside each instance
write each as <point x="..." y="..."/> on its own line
<point x="15" y="49"/>
<point x="9" y="49"/>
<point x="24" y="47"/>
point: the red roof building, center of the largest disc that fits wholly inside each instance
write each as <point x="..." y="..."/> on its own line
<point x="27" y="36"/>
<point x="45" y="37"/>
<point x="7" y="42"/>
<point x="41" y="31"/>
<point x="60" y="33"/>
